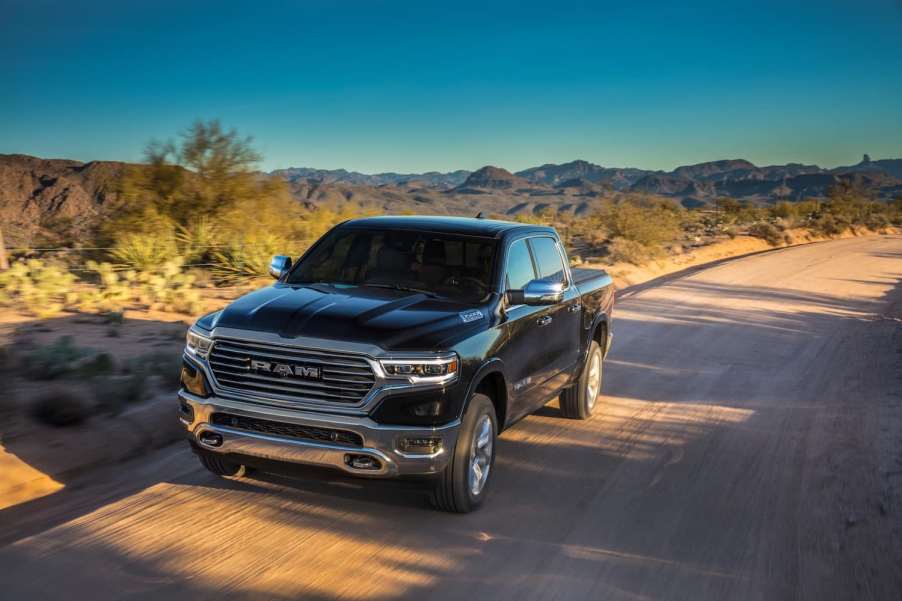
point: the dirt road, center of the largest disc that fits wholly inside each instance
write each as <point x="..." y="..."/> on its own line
<point x="749" y="446"/>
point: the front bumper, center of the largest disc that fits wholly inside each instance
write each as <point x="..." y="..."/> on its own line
<point x="379" y="442"/>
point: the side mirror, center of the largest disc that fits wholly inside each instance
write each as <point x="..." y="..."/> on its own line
<point x="278" y="265"/>
<point x="537" y="292"/>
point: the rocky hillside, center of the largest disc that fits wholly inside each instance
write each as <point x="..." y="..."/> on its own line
<point x="493" y="178"/>
<point x="36" y="193"/>
<point x="430" y="179"/>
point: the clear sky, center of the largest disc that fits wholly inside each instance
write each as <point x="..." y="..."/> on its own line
<point x="378" y="85"/>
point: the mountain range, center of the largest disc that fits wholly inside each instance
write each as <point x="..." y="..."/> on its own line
<point x="730" y="177"/>
<point x="36" y="192"/>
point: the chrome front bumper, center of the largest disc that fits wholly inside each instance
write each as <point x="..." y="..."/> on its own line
<point x="380" y="442"/>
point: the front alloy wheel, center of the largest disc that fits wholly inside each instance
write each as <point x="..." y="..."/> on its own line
<point x="463" y="484"/>
<point x="481" y="453"/>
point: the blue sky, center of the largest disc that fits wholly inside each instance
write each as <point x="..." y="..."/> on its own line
<point x="377" y="85"/>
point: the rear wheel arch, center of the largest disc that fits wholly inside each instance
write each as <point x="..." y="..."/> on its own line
<point x="599" y="333"/>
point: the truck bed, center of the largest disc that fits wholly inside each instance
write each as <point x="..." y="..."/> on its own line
<point x="583" y="275"/>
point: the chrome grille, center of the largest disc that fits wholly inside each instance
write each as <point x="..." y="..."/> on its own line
<point x="342" y="378"/>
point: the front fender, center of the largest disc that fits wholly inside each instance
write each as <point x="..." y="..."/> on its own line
<point x="493" y="365"/>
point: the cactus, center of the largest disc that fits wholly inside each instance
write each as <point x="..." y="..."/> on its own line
<point x="113" y="291"/>
<point x="37" y="286"/>
<point x="45" y="289"/>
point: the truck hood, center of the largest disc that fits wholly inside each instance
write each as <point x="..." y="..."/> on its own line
<point x="390" y="319"/>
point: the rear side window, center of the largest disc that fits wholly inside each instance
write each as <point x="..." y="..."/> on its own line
<point x="548" y="259"/>
<point x="519" y="266"/>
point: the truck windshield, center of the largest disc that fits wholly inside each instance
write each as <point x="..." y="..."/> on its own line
<point x="446" y="265"/>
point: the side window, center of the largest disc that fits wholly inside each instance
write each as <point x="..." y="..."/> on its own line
<point x="519" y="266"/>
<point x="548" y="259"/>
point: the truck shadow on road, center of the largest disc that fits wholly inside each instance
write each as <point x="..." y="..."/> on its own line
<point x="689" y="480"/>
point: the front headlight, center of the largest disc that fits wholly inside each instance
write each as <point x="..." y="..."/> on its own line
<point x="432" y="370"/>
<point x="197" y="344"/>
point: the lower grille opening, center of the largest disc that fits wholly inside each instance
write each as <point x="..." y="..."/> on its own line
<point x="286" y="430"/>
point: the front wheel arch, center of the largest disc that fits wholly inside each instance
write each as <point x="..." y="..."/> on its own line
<point x="490" y="381"/>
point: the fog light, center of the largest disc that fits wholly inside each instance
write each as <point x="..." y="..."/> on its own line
<point x="421" y="445"/>
<point x="426" y="409"/>
<point x="211" y="439"/>
<point x="362" y="462"/>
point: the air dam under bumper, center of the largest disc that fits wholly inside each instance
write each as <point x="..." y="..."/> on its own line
<point x="380" y="443"/>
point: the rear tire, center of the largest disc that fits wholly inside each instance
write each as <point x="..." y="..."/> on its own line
<point x="463" y="485"/>
<point x="579" y="401"/>
<point x="221" y="466"/>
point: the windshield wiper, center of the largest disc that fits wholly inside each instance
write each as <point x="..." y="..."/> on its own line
<point x="401" y="288"/>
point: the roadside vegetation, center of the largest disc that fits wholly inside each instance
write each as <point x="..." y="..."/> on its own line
<point x="199" y="215"/>
<point x="636" y="229"/>
<point x="197" y="223"/>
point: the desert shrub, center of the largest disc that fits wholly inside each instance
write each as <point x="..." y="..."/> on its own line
<point x="828" y="225"/>
<point x="260" y="228"/>
<point x="197" y="238"/>
<point x="767" y="232"/>
<point x="55" y="360"/>
<point x="168" y="288"/>
<point x="163" y="365"/>
<point x="145" y="252"/>
<point x="163" y="287"/>
<point x="114" y="318"/>
<point x="877" y="222"/>
<point x="112" y="292"/>
<point x="7" y="360"/>
<point x="60" y="407"/>
<point x="112" y="394"/>
<point x="623" y="250"/>
<point x="108" y="394"/>
<point x="649" y="227"/>
<point x="39" y="287"/>
<point x="97" y="365"/>
<point x="247" y="257"/>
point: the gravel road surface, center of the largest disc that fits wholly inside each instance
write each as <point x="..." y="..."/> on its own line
<point x="748" y="446"/>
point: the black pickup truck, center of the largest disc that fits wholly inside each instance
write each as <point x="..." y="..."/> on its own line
<point x="398" y="346"/>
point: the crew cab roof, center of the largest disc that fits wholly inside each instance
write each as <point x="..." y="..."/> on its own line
<point x="471" y="226"/>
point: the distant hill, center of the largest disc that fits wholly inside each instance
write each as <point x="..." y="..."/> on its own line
<point x="701" y="182"/>
<point x="35" y="192"/>
<point x="615" y="178"/>
<point x="494" y="178"/>
<point x="432" y="179"/>
<point x="890" y="166"/>
<point x="713" y="169"/>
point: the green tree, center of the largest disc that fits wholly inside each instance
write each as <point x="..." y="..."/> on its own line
<point x="649" y="227"/>
<point x="207" y="170"/>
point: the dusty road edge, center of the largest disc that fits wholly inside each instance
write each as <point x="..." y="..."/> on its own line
<point x="152" y="425"/>
<point x="630" y="279"/>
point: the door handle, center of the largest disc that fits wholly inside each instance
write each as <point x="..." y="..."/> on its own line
<point x="574" y="307"/>
<point x="544" y="320"/>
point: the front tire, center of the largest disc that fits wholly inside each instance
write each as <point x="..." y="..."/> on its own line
<point x="578" y="401"/>
<point x="463" y="485"/>
<point x="221" y="466"/>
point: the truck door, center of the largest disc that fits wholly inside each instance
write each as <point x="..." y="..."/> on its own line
<point x="523" y="353"/>
<point x="559" y="323"/>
